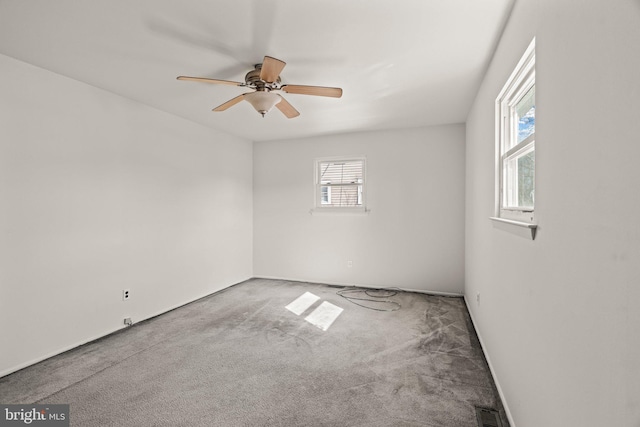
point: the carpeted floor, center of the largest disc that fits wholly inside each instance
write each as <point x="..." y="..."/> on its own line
<point x="240" y="358"/>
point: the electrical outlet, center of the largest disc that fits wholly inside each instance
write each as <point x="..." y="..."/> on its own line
<point x="127" y="321"/>
<point x="126" y="294"/>
<point x="349" y="264"/>
<point x="478" y="298"/>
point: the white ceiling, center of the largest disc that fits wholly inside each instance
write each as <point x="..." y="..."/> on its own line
<point x="403" y="63"/>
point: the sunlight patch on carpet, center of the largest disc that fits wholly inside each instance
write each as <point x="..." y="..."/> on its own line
<point x="323" y="316"/>
<point x="302" y="303"/>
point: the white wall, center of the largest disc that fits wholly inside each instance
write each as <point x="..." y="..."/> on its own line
<point x="100" y="193"/>
<point x="413" y="237"/>
<point x="559" y="316"/>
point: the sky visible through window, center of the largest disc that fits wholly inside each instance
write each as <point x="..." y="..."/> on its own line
<point x="526" y="112"/>
<point x="527" y="124"/>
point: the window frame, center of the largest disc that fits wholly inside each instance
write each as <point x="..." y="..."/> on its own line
<point x="319" y="206"/>
<point x="521" y="80"/>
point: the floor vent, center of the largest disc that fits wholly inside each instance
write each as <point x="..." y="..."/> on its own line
<point x="488" y="417"/>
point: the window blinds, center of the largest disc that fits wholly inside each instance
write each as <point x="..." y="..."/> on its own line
<point x="341" y="182"/>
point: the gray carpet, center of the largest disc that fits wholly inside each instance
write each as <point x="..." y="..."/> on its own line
<point x="239" y="358"/>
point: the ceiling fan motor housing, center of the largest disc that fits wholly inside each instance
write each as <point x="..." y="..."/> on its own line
<point x="252" y="79"/>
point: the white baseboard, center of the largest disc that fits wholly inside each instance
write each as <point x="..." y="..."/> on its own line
<point x="505" y="404"/>
<point x="111" y="331"/>
<point x="356" y="285"/>
<point x="56" y="352"/>
<point x="106" y="333"/>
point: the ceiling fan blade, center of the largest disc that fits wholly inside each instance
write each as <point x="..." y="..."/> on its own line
<point x="334" y="92"/>
<point x="271" y="69"/>
<point x="287" y="109"/>
<point x="205" y="80"/>
<point x="229" y="103"/>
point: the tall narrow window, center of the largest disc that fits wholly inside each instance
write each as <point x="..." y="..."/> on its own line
<point x="515" y="146"/>
<point x="340" y="183"/>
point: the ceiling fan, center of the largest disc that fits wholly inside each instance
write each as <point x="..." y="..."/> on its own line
<point x="265" y="81"/>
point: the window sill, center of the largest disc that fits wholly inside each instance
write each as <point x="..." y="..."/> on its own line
<point x="532" y="228"/>
<point x="339" y="211"/>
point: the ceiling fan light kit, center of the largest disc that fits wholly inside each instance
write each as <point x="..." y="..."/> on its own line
<point x="264" y="79"/>
<point x="262" y="101"/>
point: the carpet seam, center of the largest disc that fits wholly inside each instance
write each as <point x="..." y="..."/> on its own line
<point x="98" y="372"/>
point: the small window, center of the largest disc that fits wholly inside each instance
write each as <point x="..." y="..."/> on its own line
<point x="340" y="183"/>
<point x="515" y="142"/>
